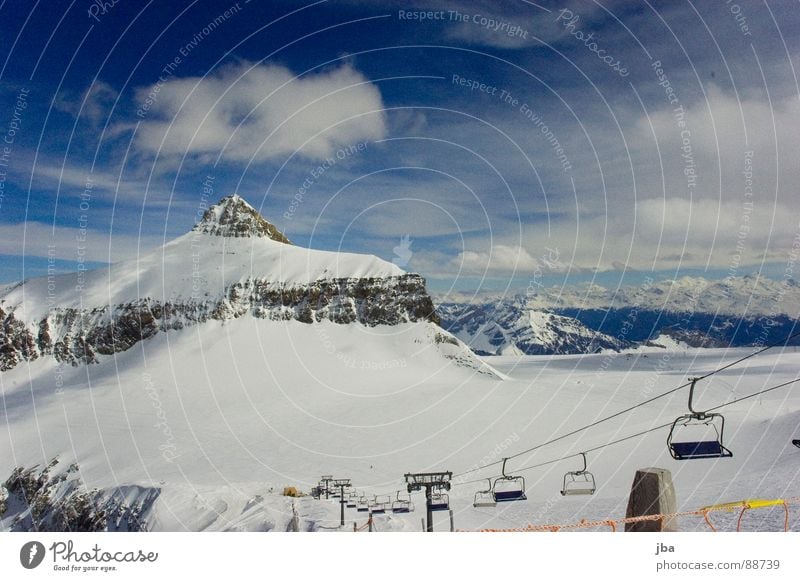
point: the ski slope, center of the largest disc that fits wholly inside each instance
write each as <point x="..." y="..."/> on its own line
<point x="221" y="416"/>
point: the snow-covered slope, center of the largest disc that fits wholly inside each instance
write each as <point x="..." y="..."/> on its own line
<point x="510" y="327"/>
<point x="203" y="429"/>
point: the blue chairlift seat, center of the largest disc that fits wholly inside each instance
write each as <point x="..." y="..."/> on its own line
<point x="380" y="504"/>
<point x="508" y="488"/>
<point x="402" y="505"/>
<point x="690" y="450"/>
<point x="509" y="495"/>
<point x="694" y="448"/>
<point x="698" y="449"/>
<point x="440" y="501"/>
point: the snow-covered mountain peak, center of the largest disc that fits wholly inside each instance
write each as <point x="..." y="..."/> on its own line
<point x="233" y="217"/>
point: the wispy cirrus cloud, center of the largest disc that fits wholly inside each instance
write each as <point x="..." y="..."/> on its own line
<point x="94" y="104"/>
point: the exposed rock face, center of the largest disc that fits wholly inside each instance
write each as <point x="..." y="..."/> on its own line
<point x="233" y="217"/>
<point x="74" y="336"/>
<point x="17" y="343"/>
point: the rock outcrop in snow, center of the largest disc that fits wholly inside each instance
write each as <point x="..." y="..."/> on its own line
<point x="233" y="217"/>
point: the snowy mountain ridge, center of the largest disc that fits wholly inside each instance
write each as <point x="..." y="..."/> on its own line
<point x="232" y="263"/>
<point x="512" y="328"/>
<point x="737" y="311"/>
<point x="750" y="295"/>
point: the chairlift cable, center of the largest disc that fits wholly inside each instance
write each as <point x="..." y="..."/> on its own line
<point x="631" y="408"/>
<point x="644" y="432"/>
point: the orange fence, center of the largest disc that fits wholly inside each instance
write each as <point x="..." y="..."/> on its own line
<point x="615" y="524"/>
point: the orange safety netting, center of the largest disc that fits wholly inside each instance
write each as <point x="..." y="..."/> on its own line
<point x="613" y="524"/>
<point x="362" y="527"/>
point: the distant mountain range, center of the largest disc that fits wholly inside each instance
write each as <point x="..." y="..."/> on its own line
<point x="693" y="311"/>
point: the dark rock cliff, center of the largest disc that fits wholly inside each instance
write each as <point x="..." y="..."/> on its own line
<point x="81" y="336"/>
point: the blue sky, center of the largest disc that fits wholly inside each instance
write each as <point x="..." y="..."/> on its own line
<point x="509" y="141"/>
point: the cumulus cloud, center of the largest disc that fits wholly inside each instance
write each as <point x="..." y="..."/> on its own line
<point x="246" y="112"/>
<point x="721" y="131"/>
<point x="507" y="259"/>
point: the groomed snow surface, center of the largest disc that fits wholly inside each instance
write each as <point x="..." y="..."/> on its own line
<point x="221" y="416"/>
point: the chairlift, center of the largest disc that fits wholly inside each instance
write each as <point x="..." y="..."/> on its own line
<point x="363" y="504"/>
<point x="401" y="505"/>
<point x="485" y="498"/>
<point x="440" y="501"/>
<point x="579" y="482"/>
<point x="507" y="488"/>
<point x="352" y="500"/>
<point x="378" y="506"/>
<point x="706" y="431"/>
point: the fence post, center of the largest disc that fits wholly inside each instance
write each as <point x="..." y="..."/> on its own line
<point x="295" y="519"/>
<point x="452" y="522"/>
<point x="652" y="492"/>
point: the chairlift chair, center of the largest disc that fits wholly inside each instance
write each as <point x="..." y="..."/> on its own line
<point x="352" y="500"/>
<point x="507" y="488"/>
<point x="402" y="505"/>
<point x="796" y="443"/>
<point x="485" y="498"/>
<point x="579" y="482"/>
<point x="440" y="501"/>
<point x="708" y="429"/>
<point x="378" y="506"/>
<point x="363" y="504"/>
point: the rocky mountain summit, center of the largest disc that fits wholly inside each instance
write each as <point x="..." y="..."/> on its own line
<point x="233" y="217"/>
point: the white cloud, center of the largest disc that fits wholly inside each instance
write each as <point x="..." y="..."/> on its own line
<point x="37" y="239"/>
<point x="720" y="130"/>
<point x="505" y="26"/>
<point x="505" y="259"/>
<point x="244" y="111"/>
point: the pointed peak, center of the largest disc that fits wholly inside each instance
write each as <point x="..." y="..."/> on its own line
<point x="233" y="217"/>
